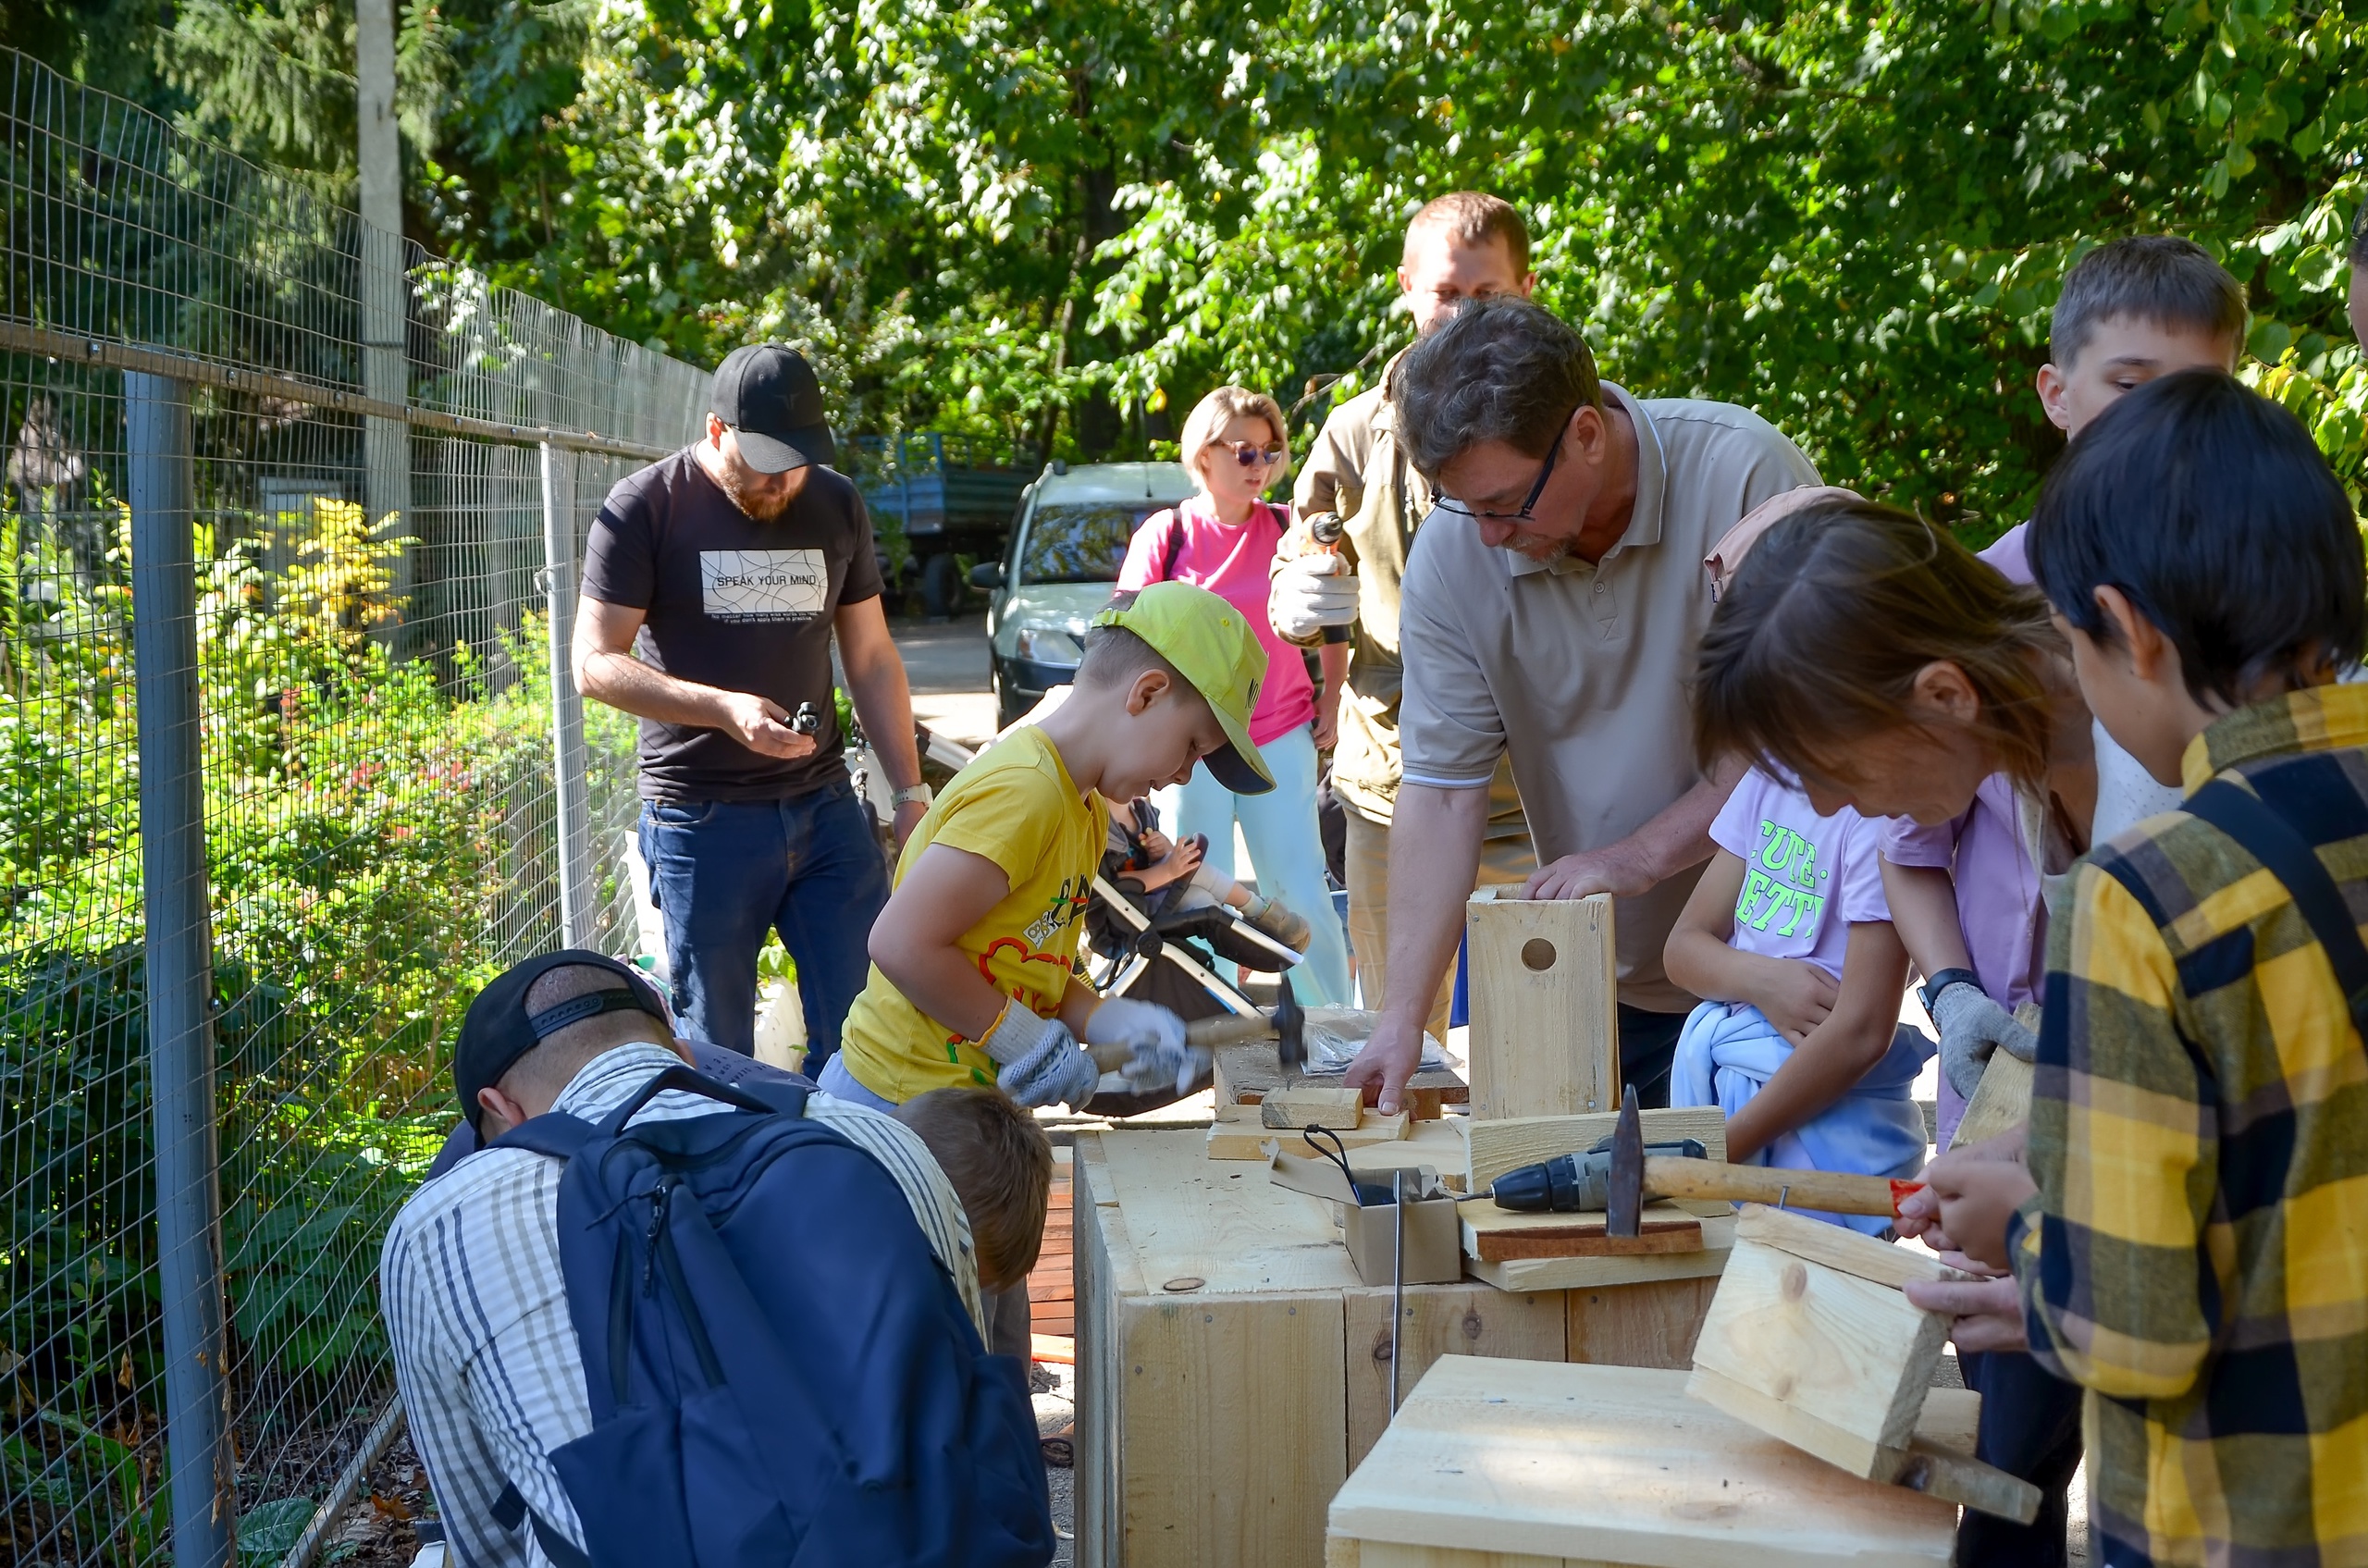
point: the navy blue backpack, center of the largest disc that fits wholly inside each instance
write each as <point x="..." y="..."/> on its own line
<point x="698" y="1252"/>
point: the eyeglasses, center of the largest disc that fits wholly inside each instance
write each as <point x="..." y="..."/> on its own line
<point x="1529" y="502"/>
<point x="1251" y="456"/>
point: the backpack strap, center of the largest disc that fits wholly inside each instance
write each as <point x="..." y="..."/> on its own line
<point x="510" y="1510"/>
<point x="1174" y="544"/>
<point x="2265" y="834"/>
<point x="690" y="1081"/>
<point x="555" y="1134"/>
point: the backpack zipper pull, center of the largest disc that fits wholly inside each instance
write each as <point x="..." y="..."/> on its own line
<point x="657" y="1229"/>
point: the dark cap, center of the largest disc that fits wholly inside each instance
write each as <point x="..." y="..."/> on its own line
<point x="767" y="394"/>
<point x="498" y="1030"/>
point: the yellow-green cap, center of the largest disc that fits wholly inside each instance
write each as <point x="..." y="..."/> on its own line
<point x="1210" y="646"/>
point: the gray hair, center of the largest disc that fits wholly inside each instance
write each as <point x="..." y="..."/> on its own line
<point x="1501" y="369"/>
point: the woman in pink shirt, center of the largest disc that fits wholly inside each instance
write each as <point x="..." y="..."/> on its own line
<point x="1224" y="538"/>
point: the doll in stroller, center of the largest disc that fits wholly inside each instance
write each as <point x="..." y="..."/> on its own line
<point x="1161" y="924"/>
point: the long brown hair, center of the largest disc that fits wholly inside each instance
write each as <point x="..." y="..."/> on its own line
<point x="1818" y="642"/>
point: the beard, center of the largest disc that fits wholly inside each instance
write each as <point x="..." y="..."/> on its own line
<point x="756" y="505"/>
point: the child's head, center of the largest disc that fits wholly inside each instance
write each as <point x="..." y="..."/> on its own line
<point x="1867" y="653"/>
<point x="1234" y="443"/>
<point x="1171" y="675"/>
<point x="2132" y="310"/>
<point x="2195" y="542"/>
<point x="1465" y="245"/>
<point x="1001" y="1166"/>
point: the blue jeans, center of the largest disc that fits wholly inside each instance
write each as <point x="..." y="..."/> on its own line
<point x="1287" y="849"/>
<point x="724" y="872"/>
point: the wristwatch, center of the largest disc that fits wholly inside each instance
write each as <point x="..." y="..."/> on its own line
<point x="921" y="795"/>
<point x="1930" y="991"/>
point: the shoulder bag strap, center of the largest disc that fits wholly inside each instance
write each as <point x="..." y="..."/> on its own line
<point x="2268" y="837"/>
<point x="1175" y="545"/>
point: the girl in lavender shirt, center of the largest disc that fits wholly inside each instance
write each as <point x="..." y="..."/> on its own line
<point x="1789" y="933"/>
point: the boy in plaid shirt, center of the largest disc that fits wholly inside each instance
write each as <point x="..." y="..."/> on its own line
<point x="2189" y="1237"/>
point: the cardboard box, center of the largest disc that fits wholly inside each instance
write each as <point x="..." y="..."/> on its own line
<point x="1369" y="1220"/>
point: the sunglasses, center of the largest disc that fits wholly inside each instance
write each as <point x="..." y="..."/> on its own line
<point x="1249" y="454"/>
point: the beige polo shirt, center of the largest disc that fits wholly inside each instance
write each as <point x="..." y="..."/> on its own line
<point x="1580" y="670"/>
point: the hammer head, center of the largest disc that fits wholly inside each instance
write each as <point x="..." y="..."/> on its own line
<point x="1291" y="1027"/>
<point x="1623" y="1197"/>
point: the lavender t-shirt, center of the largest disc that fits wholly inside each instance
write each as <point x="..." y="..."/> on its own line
<point x="1806" y="879"/>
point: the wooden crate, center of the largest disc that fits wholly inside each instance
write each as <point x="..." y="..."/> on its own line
<point x="1497" y="1464"/>
<point x="1232" y="1370"/>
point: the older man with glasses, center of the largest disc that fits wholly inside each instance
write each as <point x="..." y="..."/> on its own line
<point x="1553" y="613"/>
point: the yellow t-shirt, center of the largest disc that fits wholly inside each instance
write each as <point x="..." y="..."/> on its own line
<point x="1015" y="804"/>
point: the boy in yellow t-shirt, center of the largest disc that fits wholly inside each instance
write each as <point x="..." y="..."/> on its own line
<point x="972" y="962"/>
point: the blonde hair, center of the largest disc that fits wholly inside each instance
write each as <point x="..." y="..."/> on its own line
<point x="1221" y="408"/>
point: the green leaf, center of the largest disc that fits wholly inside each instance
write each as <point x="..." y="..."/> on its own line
<point x="270" y="1530"/>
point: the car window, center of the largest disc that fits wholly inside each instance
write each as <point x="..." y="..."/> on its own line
<point x="1081" y="541"/>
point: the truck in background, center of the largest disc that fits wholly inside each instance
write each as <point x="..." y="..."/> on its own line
<point x="947" y="496"/>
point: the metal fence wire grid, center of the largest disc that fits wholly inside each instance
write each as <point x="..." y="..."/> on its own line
<point x="287" y="550"/>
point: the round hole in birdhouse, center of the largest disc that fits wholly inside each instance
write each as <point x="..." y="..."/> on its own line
<point x="1537" y="953"/>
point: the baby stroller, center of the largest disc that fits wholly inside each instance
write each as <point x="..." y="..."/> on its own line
<point x="1162" y="945"/>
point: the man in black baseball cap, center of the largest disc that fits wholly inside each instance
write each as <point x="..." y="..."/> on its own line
<point x="713" y="584"/>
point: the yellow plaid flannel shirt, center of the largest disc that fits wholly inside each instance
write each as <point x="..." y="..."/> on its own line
<point x="2196" y="1254"/>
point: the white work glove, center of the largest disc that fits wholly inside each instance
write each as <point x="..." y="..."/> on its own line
<point x="1971" y="1027"/>
<point x="1309" y="593"/>
<point x="1153" y="1039"/>
<point x="1041" y="1062"/>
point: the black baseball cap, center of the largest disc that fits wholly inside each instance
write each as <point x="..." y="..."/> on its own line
<point x="498" y="1030"/>
<point x="767" y="394"/>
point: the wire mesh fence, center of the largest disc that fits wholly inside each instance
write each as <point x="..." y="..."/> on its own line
<point x="247" y="434"/>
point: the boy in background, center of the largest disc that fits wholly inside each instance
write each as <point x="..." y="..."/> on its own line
<point x="2190" y="1236"/>
<point x="1966" y="894"/>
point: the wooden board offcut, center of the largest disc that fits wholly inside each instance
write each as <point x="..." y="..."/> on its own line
<point x="1237" y="1133"/>
<point x="1247" y="1074"/>
<point x="1603" y="1464"/>
<point x="1544" y="1037"/>
<point x="1494" y="1235"/>
<point x="1584" y="1273"/>
<point x="1500" y="1146"/>
<point x="2000" y="1102"/>
<point x="1842" y="1362"/>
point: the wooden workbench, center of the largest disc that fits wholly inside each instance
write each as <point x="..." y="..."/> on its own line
<point x="1495" y="1464"/>
<point x="1232" y="1369"/>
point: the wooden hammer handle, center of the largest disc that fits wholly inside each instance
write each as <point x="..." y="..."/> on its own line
<point x="1667" y="1176"/>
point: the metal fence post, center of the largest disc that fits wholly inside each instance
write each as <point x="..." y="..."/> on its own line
<point x="179" y="965"/>
<point x="568" y="761"/>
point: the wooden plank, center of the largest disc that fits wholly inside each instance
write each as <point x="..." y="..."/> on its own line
<point x="1304" y="1104"/>
<point x="2000" y="1102"/>
<point x="1545" y="1036"/>
<point x="1494" y="1235"/>
<point x="1247" y="1074"/>
<point x="1577" y="1274"/>
<point x="1615" y="1464"/>
<point x="1500" y="1146"/>
<point x="1235" y="1428"/>
<point x="1105" y="1268"/>
<point x="1652" y="1324"/>
<point x="1221" y="1223"/>
<point x="1440" y="1320"/>
<point x="1390" y="1554"/>
<point x="1849" y="1354"/>
<point x="1886" y="1263"/>
<point x="1238" y="1134"/>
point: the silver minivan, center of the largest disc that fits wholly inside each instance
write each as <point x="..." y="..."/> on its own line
<point x="1074" y="524"/>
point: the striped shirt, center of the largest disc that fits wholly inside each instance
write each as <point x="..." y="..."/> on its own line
<point x="475" y="1304"/>
<point x="2197" y="1254"/>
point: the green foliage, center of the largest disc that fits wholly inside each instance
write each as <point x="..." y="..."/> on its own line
<point x="368" y="872"/>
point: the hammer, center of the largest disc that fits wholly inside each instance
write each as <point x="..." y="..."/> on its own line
<point x="1618" y="1179"/>
<point x="1287" y="1026"/>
